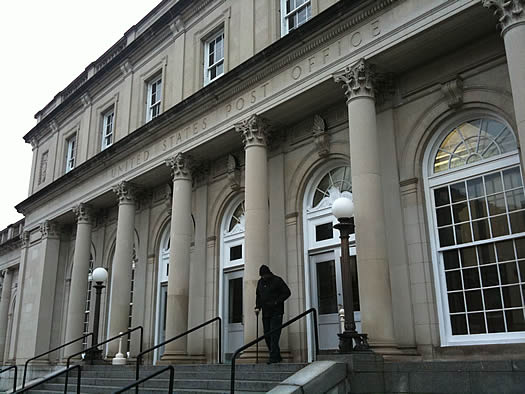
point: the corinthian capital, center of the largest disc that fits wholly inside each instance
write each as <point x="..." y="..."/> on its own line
<point x="126" y="192"/>
<point x="83" y="213"/>
<point x="358" y="80"/>
<point x="50" y="229"/>
<point x="181" y="166"/>
<point x="254" y="131"/>
<point x="508" y="12"/>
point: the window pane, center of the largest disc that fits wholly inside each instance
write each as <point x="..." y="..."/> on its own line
<point x="475" y="188"/>
<point x="459" y="324"/>
<point x="486" y="254"/>
<point x="476" y="323"/>
<point x="496" y="204"/>
<point x="516" y="199"/>
<point x="508" y="273"/>
<point x="463" y="234"/>
<point x="493" y="183"/>
<point x="454" y="280"/>
<point x="515" y="320"/>
<point x="481" y="229"/>
<point x="474" y="301"/>
<point x="505" y="250"/>
<point x="512" y="178"/>
<point x="441" y="196"/>
<point x="458" y="192"/>
<point x="517" y="222"/>
<point x="489" y="275"/>
<point x="456" y="302"/>
<point x="326" y="287"/>
<point x="468" y="257"/>
<point x="451" y="259"/>
<point x="236" y="252"/>
<point x="492" y="298"/>
<point x="235" y="301"/>
<point x="471" y="278"/>
<point x="520" y="247"/>
<point x="460" y="212"/>
<point x="478" y="208"/>
<point x="499" y="225"/>
<point x="511" y="296"/>
<point x="446" y="236"/>
<point x="324" y="231"/>
<point x="495" y="322"/>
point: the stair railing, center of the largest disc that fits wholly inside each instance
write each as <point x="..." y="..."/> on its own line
<point x="139" y="356"/>
<point x="15" y="377"/>
<point x="50" y="377"/>
<point x="313" y="311"/>
<point x="51" y="351"/>
<point x="128" y="332"/>
<point x="138" y="382"/>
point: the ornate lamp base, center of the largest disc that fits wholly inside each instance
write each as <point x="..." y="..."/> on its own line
<point x="346" y="342"/>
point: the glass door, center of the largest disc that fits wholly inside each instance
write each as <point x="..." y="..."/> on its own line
<point x="233" y="319"/>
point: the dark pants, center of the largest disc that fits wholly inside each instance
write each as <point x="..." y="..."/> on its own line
<point x="272" y="340"/>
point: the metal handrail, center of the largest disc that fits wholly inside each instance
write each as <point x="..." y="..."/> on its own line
<point x="16" y="374"/>
<point x="249" y="344"/>
<point x="139" y="356"/>
<point x="106" y="341"/>
<point x="137" y="382"/>
<point x="51" y="351"/>
<point x="64" y="371"/>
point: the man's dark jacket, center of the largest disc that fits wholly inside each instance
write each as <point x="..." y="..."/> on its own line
<point x="270" y="296"/>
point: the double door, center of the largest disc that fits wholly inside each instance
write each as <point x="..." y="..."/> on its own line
<point x="327" y="294"/>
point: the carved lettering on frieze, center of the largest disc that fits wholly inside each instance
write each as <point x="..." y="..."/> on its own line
<point x="508" y="12"/>
<point x="254" y="131"/>
<point x="83" y="212"/>
<point x="126" y="192"/>
<point x="181" y="166"/>
<point x="321" y="137"/>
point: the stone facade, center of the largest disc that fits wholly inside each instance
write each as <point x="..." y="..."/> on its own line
<point x="211" y="180"/>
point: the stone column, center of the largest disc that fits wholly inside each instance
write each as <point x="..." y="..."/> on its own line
<point x="79" y="278"/>
<point x="254" y="131"/>
<point x="4" y="310"/>
<point x="373" y="269"/>
<point x="511" y="21"/>
<point x="179" y="265"/>
<point x="122" y="263"/>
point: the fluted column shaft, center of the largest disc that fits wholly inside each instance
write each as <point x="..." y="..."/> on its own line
<point x="179" y="265"/>
<point x="79" y="278"/>
<point x="511" y="20"/>
<point x="254" y="132"/>
<point x="367" y="192"/>
<point x="4" y="310"/>
<point x="122" y="262"/>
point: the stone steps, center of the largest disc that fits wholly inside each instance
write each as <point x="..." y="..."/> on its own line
<point x="212" y="378"/>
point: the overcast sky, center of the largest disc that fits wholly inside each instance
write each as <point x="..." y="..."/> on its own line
<point x="45" y="45"/>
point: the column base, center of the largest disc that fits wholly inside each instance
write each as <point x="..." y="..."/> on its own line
<point x="177" y="357"/>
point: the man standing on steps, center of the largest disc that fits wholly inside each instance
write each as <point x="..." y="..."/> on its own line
<point x="272" y="291"/>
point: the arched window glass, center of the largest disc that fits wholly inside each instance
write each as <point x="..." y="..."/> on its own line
<point x="237" y="219"/>
<point x="474" y="141"/>
<point x="333" y="185"/>
<point x="478" y="227"/>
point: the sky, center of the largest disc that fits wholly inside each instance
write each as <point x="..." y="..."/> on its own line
<point x="45" y="45"/>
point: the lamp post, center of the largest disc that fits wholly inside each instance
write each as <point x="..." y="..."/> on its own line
<point x="99" y="276"/>
<point x="343" y="210"/>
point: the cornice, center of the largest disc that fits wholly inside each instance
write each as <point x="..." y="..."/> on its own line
<point x="323" y="28"/>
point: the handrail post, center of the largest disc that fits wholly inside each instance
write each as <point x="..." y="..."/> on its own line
<point x="220" y="340"/>
<point x="15" y="378"/>
<point x="232" y="377"/>
<point x="172" y="377"/>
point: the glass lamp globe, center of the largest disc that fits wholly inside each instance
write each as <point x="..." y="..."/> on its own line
<point x="100" y="275"/>
<point x="343" y="208"/>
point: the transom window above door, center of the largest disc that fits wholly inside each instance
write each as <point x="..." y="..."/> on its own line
<point x="336" y="183"/>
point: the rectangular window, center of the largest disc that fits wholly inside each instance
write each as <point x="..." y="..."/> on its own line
<point x="154" y="98"/>
<point x="107" y="128"/>
<point x="214" y="57"/>
<point x="71" y="143"/>
<point x="294" y="13"/>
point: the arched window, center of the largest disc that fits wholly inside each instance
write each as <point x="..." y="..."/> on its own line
<point x="476" y="203"/>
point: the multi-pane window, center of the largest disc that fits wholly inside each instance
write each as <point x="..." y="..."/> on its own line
<point x="294" y="13"/>
<point x="107" y="128"/>
<point x="214" y="57"/>
<point x="71" y="149"/>
<point x="154" y="98"/>
<point x="479" y="223"/>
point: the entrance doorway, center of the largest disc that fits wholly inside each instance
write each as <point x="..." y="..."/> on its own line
<point x="327" y="295"/>
<point x="233" y="319"/>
